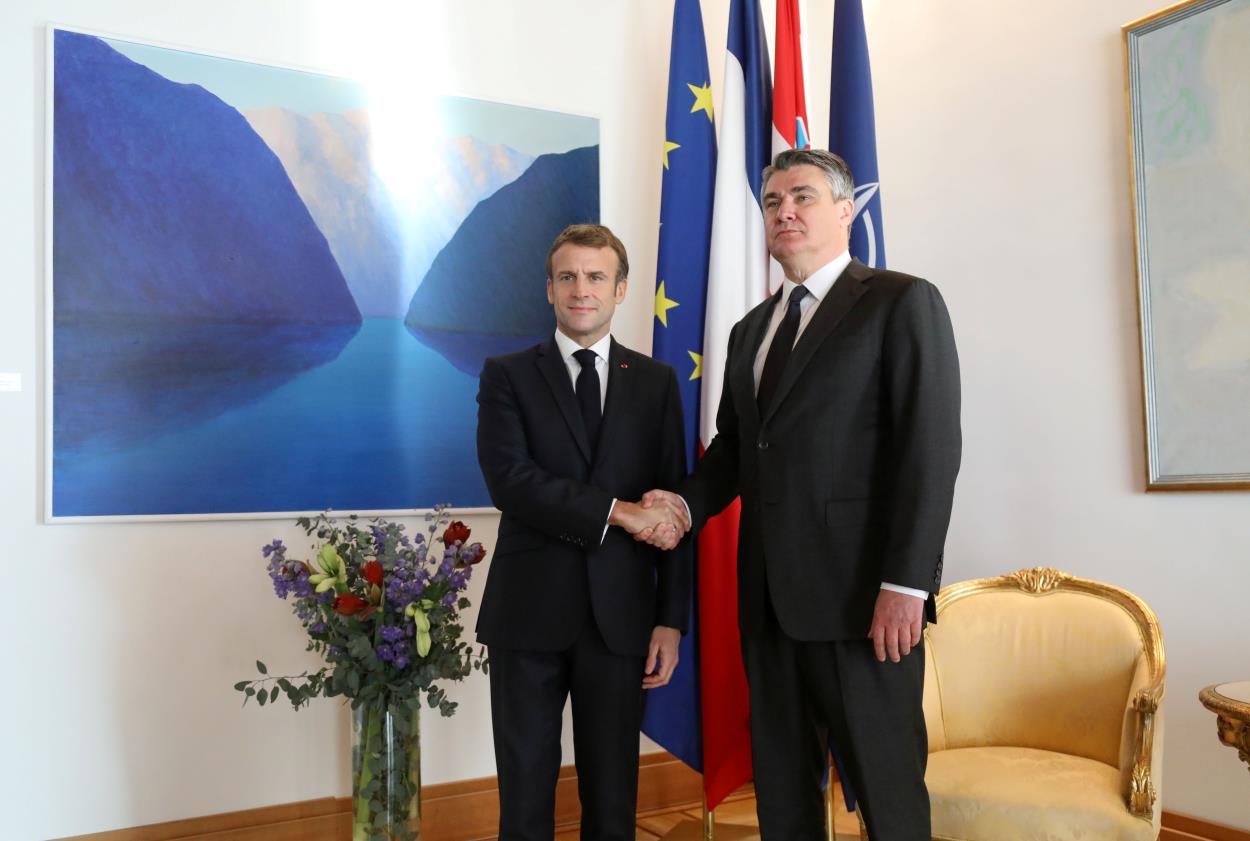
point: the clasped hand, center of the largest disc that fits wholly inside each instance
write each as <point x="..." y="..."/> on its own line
<point x="659" y="518"/>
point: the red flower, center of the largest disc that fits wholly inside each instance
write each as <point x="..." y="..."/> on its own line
<point x="372" y="572"/>
<point x="349" y="605"/>
<point x="456" y="531"/>
<point x="473" y="553"/>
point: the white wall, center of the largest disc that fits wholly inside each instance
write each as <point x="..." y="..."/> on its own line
<point x="1002" y="146"/>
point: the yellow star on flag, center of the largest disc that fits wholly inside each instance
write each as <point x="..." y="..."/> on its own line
<point x="668" y="147"/>
<point x="702" y="99"/>
<point x="698" y="364"/>
<point x="663" y="304"/>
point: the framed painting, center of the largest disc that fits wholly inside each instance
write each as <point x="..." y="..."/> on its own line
<point x="264" y="299"/>
<point x="1189" y="137"/>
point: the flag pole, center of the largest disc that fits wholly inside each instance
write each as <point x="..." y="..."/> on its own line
<point x="709" y="820"/>
<point x="829" y="831"/>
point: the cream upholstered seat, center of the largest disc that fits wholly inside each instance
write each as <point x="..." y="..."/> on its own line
<point x="1042" y="700"/>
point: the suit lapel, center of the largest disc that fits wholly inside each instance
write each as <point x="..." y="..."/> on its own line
<point x="842" y="296"/>
<point x="743" y="374"/>
<point x="553" y="369"/>
<point x="620" y="388"/>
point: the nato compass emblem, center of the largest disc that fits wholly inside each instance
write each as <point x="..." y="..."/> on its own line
<point x="863" y="195"/>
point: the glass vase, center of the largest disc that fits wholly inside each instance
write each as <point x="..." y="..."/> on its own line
<point x="386" y="771"/>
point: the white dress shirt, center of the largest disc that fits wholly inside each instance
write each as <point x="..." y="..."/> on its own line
<point x="818" y="286"/>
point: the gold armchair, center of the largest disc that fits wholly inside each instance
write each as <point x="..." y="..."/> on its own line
<point x="1042" y="700"/>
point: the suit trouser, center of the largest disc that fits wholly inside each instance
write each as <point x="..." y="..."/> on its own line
<point x="527" y="694"/>
<point x="802" y="692"/>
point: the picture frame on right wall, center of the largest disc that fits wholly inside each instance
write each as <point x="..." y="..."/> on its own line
<point x="1189" y="151"/>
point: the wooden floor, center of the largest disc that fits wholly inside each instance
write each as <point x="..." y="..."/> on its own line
<point x="735" y="821"/>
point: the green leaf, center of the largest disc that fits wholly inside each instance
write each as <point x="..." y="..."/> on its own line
<point x="260" y="667"/>
<point x="250" y="691"/>
<point x="261" y="697"/>
<point x="241" y="685"/>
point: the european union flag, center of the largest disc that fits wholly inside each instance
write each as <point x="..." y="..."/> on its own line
<point x="672" y="717"/>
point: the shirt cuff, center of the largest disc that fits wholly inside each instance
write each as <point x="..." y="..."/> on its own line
<point x="608" y="524"/>
<point x="909" y="591"/>
<point x="689" y="518"/>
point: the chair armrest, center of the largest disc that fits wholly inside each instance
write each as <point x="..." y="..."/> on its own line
<point x="1141" y="750"/>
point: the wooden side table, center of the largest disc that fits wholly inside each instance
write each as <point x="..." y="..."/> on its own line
<point x="1231" y="704"/>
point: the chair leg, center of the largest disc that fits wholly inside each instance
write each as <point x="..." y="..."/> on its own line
<point x="863" y="828"/>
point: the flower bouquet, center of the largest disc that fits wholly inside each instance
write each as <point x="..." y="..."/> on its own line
<point x="383" y="610"/>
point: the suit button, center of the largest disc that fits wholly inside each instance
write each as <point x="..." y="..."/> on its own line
<point x="762" y="444"/>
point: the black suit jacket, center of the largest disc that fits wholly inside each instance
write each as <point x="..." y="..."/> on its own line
<point x="847" y="481"/>
<point x="550" y="572"/>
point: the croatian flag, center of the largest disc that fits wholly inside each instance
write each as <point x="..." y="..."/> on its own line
<point x="738" y="280"/>
<point x="672" y="716"/>
<point x="852" y="130"/>
<point x="789" y="101"/>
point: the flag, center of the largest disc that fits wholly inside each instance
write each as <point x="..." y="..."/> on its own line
<point x="672" y="715"/>
<point x="789" y="101"/>
<point x="738" y="280"/>
<point x="852" y="130"/>
<point x="852" y="135"/>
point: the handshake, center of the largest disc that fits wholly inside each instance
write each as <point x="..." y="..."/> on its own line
<point x="660" y="518"/>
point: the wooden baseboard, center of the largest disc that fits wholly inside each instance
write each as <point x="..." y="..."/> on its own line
<point x="1177" y="827"/>
<point x="323" y="819"/>
<point x="468" y="810"/>
<point x="465" y="810"/>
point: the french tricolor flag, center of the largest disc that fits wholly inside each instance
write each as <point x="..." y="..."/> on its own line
<point x="737" y="281"/>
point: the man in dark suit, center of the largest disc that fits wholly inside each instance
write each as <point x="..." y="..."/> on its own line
<point x="568" y="432"/>
<point x="838" y="425"/>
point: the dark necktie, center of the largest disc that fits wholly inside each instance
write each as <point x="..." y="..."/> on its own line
<point x="588" y="394"/>
<point x="779" y="350"/>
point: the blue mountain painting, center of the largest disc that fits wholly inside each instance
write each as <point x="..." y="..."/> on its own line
<point x="485" y="292"/>
<point x="210" y="353"/>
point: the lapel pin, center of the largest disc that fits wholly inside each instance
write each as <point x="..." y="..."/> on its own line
<point x="624" y="364"/>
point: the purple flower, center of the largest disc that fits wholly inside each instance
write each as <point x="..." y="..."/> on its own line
<point x="281" y="587"/>
<point x="449" y="599"/>
<point x="391" y="634"/>
<point x="401" y="662"/>
<point x="384" y="652"/>
<point x="318" y="628"/>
